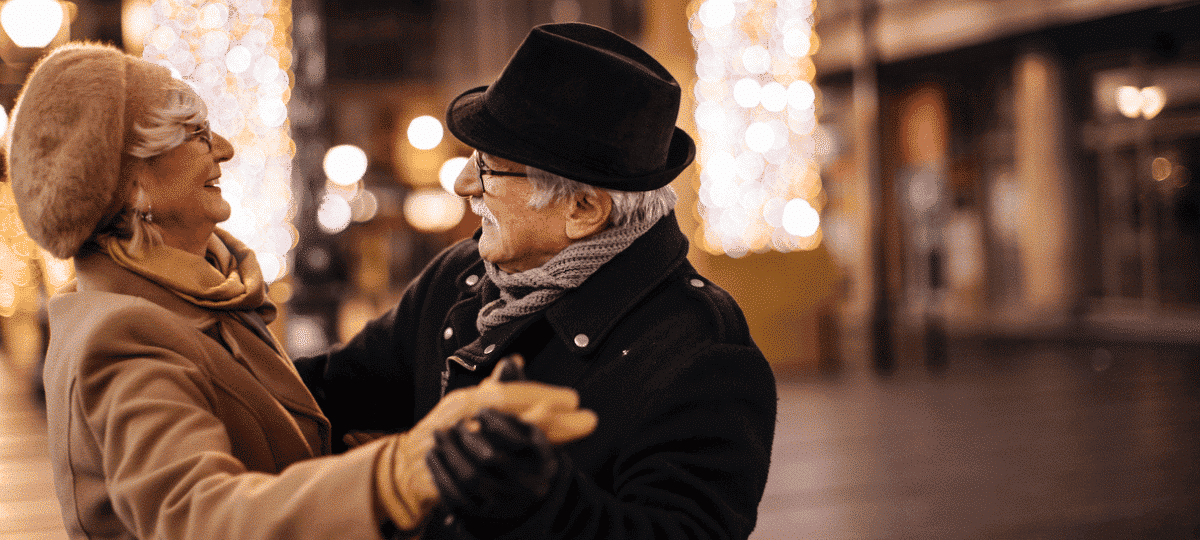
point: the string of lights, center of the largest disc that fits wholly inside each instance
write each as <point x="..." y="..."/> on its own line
<point x="760" y="185"/>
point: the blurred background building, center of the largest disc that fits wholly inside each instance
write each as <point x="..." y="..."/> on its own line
<point x="875" y="176"/>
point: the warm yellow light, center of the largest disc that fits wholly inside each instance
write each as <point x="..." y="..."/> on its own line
<point x="756" y="59"/>
<point x="425" y="132"/>
<point x="747" y="93"/>
<point x="450" y="171"/>
<point x="235" y="54"/>
<point x="774" y="97"/>
<point x="1160" y="168"/>
<point x="1129" y="101"/>
<point x="760" y="137"/>
<point x="238" y="59"/>
<point x="801" y="95"/>
<point x="345" y="164"/>
<point x="272" y="266"/>
<point x="213" y="15"/>
<point x="364" y="206"/>
<point x="433" y="210"/>
<point x="717" y="13"/>
<point x="31" y="23"/>
<point x="797" y="42"/>
<point x="136" y="24"/>
<point x="1153" y="101"/>
<point x="272" y="111"/>
<point x="3" y="121"/>
<point x="334" y="214"/>
<point x="755" y="113"/>
<point x="800" y="218"/>
<point x="163" y="37"/>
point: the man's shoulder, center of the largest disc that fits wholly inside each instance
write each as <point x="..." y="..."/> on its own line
<point x="686" y="295"/>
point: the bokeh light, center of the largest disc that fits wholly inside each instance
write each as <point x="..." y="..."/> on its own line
<point x="236" y="54"/>
<point x="345" y="164"/>
<point x="1153" y="101"/>
<point x="31" y="23"/>
<point x="1129" y="101"/>
<point x="756" y="116"/>
<point x="800" y="218"/>
<point x="425" y="132"/>
<point x="433" y="210"/>
<point x="450" y="171"/>
<point x="334" y="214"/>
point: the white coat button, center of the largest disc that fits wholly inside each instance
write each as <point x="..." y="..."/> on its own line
<point x="448" y="333"/>
<point x="581" y="340"/>
<point x="697" y="283"/>
<point x="472" y="280"/>
<point x="489" y="349"/>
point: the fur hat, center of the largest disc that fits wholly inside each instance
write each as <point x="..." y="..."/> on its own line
<point x="71" y="124"/>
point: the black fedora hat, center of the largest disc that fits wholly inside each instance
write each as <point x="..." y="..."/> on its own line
<point x="581" y="102"/>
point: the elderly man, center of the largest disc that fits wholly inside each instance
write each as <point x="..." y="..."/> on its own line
<point x="580" y="267"/>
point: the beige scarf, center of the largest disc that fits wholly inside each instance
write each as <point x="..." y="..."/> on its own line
<point x="525" y="293"/>
<point x="227" y="278"/>
<point x="228" y="281"/>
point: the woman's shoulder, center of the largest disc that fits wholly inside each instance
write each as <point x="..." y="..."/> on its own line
<point x="92" y="316"/>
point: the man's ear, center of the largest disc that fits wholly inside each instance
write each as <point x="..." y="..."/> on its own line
<point x="588" y="214"/>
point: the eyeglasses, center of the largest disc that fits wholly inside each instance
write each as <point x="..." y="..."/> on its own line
<point x="479" y="166"/>
<point x="203" y="132"/>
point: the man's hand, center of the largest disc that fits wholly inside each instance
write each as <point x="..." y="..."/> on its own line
<point x="404" y="483"/>
<point x="493" y="470"/>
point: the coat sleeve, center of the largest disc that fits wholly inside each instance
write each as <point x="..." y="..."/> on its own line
<point x="694" y="466"/>
<point x="366" y="384"/>
<point x="166" y="457"/>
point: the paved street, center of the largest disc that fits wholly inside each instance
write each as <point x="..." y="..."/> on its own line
<point x="1006" y="442"/>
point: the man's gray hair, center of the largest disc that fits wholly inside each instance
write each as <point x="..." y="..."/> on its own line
<point x="628" y="206"/>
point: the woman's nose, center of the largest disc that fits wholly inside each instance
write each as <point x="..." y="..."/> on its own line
<point x="467" y="184"/>
<point x="222" y="149"/>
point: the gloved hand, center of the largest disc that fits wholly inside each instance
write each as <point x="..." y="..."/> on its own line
<point x="493" y="470"/>
<point x="403" y="482"/>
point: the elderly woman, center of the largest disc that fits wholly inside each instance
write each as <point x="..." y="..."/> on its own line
<point x="173" y="412"/>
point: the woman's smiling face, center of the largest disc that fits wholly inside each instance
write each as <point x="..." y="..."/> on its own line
<point x="183" y="185"/>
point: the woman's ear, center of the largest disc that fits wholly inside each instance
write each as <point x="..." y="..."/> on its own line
<point x="588" y="214"/>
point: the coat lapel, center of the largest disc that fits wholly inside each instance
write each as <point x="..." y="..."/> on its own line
<point x="251" y="348"/>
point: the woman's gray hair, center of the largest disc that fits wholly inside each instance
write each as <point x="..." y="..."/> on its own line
<point x="628" y="206"/>
<point x="163" y="128"/>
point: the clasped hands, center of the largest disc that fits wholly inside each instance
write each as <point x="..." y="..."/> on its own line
<point x="485" y="451"/>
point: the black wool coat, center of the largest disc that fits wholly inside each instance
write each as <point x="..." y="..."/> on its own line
<point x="686" y="401"/>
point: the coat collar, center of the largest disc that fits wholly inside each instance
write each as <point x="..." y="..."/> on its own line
<point x="584" y="316"/>
<point x="98" y="273"/>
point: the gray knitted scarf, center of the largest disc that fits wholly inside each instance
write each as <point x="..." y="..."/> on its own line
<point x="528" y="292"/>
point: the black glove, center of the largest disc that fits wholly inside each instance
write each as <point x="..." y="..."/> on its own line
<point x="492" y="471"/>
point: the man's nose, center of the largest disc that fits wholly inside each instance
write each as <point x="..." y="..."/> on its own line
<point x="467" y="184"/>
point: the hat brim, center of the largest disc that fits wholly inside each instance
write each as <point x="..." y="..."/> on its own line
<point x="469" y="120"/>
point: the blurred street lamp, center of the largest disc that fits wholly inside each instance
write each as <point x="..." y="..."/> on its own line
<point x="1146" y="102"/>
<point x="31" y="27"/>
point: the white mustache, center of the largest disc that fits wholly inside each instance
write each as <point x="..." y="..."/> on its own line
<point x="481" y="209"/>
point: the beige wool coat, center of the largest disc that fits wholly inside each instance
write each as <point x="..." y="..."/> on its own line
<point x="169" y="422"/>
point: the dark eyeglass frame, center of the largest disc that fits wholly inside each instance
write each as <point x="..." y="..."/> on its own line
<point x="204" y="133"/>
<point x="482" y="169"/>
